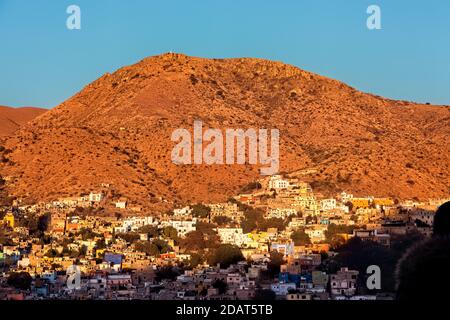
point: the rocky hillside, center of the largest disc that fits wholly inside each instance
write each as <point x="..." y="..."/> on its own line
<point x="118" y="130"/>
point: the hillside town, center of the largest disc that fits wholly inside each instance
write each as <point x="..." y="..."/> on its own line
<point x="278" y="239"/>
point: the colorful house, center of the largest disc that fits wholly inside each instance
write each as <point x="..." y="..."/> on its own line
<point x="360" y="202"/>
<point x="9" y="220"/>
<point x="383" y="201"/>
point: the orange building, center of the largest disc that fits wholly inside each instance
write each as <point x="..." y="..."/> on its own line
<point x="383" y="201"/>
<point x="320" y="247"/>
<point x="360" y="202"/>
<point x="72" y="227"/>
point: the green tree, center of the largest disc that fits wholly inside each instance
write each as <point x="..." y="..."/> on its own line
<point x="20" y="280"/>
<point x="194" y="241"/>
<point x="200" y="210"/>
<point x="31" y="223"/>
<point x="422" y="270"/>
<point x="225" y="255"/>
<point x="170" y="232"/>
<point x="167" y="272"/>
<point x="311" y="220"/>
<point x="5" y="239"/>
<point x="83" y="250"/>
<point x="150" y="230"/>
<point x="74" y="254"/>
<point x="100" y="244"/>
<point x="332" y="234"/>
<point x="206" y="228"/>
<point x="129" y="237"/>
<point x="51" y="253"/>
<point x="65" y="251"/>
<point x="148" y="247"/>
<point x="273" y="267"/>
<point x="441" y="224"/>
<point x="195" y="260"/>
<point x="278" y="223"/>
<point x="300" y="237"/>
<point x="251" y="186"/>
<point x="44" y="221"/>
<point x="221" y="220"/>
<point x="358" y="254"/>
<point x="349" y="204"/>
<point x="220" y="285"/>
<point x="162" y="245"/>
<point x="199" y="240"/>
<point x="87" y="234"/>
<point x="252" y="219"/>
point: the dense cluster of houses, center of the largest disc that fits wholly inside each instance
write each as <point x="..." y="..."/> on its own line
<point x="112" y="268"/>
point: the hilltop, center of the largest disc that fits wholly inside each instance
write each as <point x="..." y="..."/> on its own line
<point x="117" y="130"/>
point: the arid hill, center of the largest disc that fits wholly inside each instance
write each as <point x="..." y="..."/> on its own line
<point x="12" y="118"/>
<point x="118" y="130"/>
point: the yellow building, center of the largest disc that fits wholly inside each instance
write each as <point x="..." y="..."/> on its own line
<point x="9" y="220"/>
<point x="99" y="253"/>
<point x="383" y="201"/>
<point x="258" y="236"/>
<point x="345" y="236"/>
<point x="360" y="202"/>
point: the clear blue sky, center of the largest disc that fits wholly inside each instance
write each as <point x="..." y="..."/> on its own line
<point x="42" y="63"/>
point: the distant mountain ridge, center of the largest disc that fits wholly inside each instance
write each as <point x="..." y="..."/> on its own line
<point x="12" y="118"/>
<point x="118" y="129"/>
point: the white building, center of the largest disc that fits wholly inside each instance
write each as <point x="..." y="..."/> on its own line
<point x="282" y="289"/>
<point x="183" y="227"/>
<point x="95" y="197"/>
<point x="422" y="215"/>
<point x="121" y="204"/>
<point x="134" y="223"/>
<point x="328" y="204"/>
<point x="277" y="182"/>
<point x="343" y="208"/>
<point x="225" y="209"/>
<point x="296" y="223"/>
<point x="23" y="263"/>
<point x="345" y="197"/>
<point x="343" y="283"/>
<point x="316" y="233"/>
<point x="282" y="213"/>
<point x="234" y="279"/>
<point x="186" y="211"/>
<point x="235" y="236"/>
